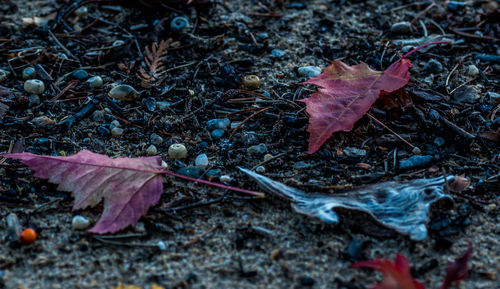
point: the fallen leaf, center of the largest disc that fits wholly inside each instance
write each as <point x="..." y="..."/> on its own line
<point x="345" y="94"/>
<point x="457" y="271"/>
<point x="396" y="275"/>
<point x="459" y="184"/>
<point x="128" y="186"/>
<point x="402" y="206"/>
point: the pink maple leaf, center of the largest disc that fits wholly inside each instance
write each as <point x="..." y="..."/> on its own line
<point x="396" y="275"/>
<point x="345" y="95"/>
<point x="457" y="271"/>
<point x="127" y="186"/>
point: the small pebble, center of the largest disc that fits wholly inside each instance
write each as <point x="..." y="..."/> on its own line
<point x="439" y="141"/>
<point x="29" y="72"/>
<point x="307" y="281"/>
<point x="466" y="94"/>
<point x="217" y="134"/>
<point x="117" y="131"/>
<point x="191" y="171"/>
<point x="80" y="222"/>
<point x="249" y="138"/>
<point x="114" y="123"/>
<point x="163" y="105"/>
<point x="3" y="75"/>
<point x="177" y="151"/>
<point x="455" y="5"/>
<point x="98" y="115"/>
<point x="416" y="151"/>
<point x="259" y="149"/>
<point x="309" y="71"/>
<point x="260" y="169"/>
<point x="251" y="82"/>
<point x="162" y="246"/>
<point x="201" y="161"/>
<point x="151" y="150"/>
<point x="123" y="92"/>
<point x="401" y="27"/>
<point x="268" y="157"/>
<point x="35" y="86"/>
<point x="33" y="100"/>
<point x="235" y="124"/>
<point x="225" y="179"/>
<point x="140" y="228"/>
<point x="43" y="121"/>
<point x="156" y="139"/>
<point x="277" y="53"/>
<point x="81" y="74"/>
<point x="95" y="82"/>
<point x="433" y="66"/>
<point x="354" y="152"/>
<point x="103" y="131"/>
<point x="220" y="123"/>
<point x="494" y="97"/>
<point x="82" y="11"/>
<point x="472" y="70"/>
<point x="118" y="43"/>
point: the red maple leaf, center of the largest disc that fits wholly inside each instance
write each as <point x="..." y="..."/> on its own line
<point x="396" y="275"/>
<point x="346" y="93"/>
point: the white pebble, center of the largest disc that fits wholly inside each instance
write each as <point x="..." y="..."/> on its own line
<point x="161" y="245"/>
<point x="117" y="131"/>
<point x="177" y="151"/>
<point x="260" y="169"/>
<point x="42" y="121"/>
<point x="80" y="223"/>
<point x="156" y="139"/>
<point x="473" y="70"/>
<point x="95" y="81"/>
<point x="114" y="124"/>
<point x="225" y="179"/>
<point x="309" y="71"/>
<point x="123" y="92"/>
<point x="151" y="150"/>
<point x="35" y="86"/>
<point x="29" y="72"/>
<point x="201" y="161"/>
<point x="268" y="157"/>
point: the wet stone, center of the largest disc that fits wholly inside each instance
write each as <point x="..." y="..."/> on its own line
<point x="433" y="66"/>
<point x="493" y="97"/>
<point x="439" y="141"/>
<point x="466" y="94"/>
<point x="117" y="131"/>
<point x="249" y="138"/>
<point x="163" y="105"/>
<point x="220" y="123"/>
<point x="251" y="82"/>
<point x="103" y="131"/>
<point x="472" y="70"/>
<point x="309" y="71"/>
<point x="217" y="134"/>
<point x="177" y="151"/>
<point x="201" y="161"/>
<point x="80" y="223"/>
<point x="156" y="139"/>
<point x="95" y="81"/>
<point x="123" y="92"/>
<point x="81" y="74"/>
<point x="260" y="169"/>
<point x="150" y="104"/>
<point x="114" y="124"/>
<point x="259" y="149"/>
<point x="354" y="152"/>
<point x="277" y="53"/>
<point x="191" y="171"/>
<point x="401" y="27"/>
<point x="43" y="121"/>
<point x="98" y="115"/>
<point x="29" y="72"/>
<point x="34" y="86"/>
<point x="151" y="150"/>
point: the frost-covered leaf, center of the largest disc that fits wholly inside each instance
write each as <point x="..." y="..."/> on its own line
<point x="128" y="186"/>
<point x="402" y="206"/>
<point x="396" y="275"/>
<point x="457" y="271"/>
<point x="345" y="94"/>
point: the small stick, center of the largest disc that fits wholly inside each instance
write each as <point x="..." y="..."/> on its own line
<point x="198" y="238"/>
<point x="423" y="12"/>
<point x="268" y="160"/>
<point x="393" y="132"/>
<point x="63" y="47"/>
<point x="245" y="120"/>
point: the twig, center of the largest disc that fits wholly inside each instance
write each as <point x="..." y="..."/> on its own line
<point x="268" y="160"/>
<point x="423" y="12"/>
<point x="63" y="47"/>
<point x="393" y="132"/>
<point x="451" y="72"/>
<point x="456" y="31"/>
<point x="198" y="238"/>
<point x="245" y="120"/>
<point x="457" y="129"/>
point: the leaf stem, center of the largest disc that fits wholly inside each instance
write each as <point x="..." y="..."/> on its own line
<point x="424" y="45"/>
<point x="208" y="183"/>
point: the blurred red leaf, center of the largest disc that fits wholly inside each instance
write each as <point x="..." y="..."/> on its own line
<point x="128" y="186"/>
<point x="346" y="93"/>
<point x="457" y="271"/>
<point x="396" y="275"/>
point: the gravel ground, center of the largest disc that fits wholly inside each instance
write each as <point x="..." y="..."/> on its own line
<point x="243" y="242"/>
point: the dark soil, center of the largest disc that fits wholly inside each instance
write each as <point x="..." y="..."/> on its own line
<point x="450" y="110"/>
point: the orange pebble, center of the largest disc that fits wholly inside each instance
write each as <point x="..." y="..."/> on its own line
<point x="28" y="236"/>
